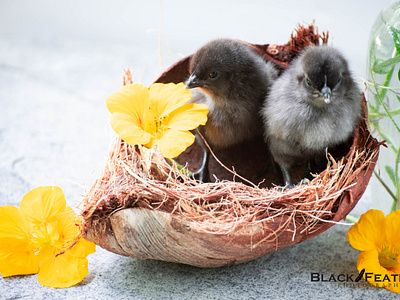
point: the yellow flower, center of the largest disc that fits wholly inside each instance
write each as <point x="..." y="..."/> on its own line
<point x="158" y="115"/>
<point x="42" y="237"/>
<point x="63" y="261"/>
<point x="379" y="238"/>
<point x="17" y="257"/>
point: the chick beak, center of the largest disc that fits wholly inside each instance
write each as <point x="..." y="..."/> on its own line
<point x="193" y="82"/>
<point x="326" y="93"/>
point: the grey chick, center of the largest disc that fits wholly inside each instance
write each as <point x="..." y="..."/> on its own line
<point x="233" y="81"/>
<point x="315" y="104"/>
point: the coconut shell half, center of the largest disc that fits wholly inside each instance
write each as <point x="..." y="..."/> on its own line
<point x="142" y="206"/>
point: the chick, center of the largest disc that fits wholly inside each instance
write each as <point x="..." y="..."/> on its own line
<point x="233" y="81"/>
<point x="313" y="105"/>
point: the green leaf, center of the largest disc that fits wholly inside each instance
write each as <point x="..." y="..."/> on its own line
<point x="386" y="138"/>
<point x="371" y="107"/>
<point x="398" y="76"/>
<point x="396" y="185"/>
<point x="393" y="112"/>
<point x="396" y="39"/>
<point x="377" y="67"/>
<point x="384" y="67"/>
<point x="371" y="56"/>
<point x="398" y="157"/>
<point x="378" y="102"/>
<point x="389" y="170"/>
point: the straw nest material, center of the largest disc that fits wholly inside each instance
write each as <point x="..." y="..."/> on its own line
<point x="141" y="206"/>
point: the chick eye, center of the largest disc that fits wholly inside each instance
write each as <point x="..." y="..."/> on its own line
<point x="213" y="74"/>
<point x="308" y="81"/>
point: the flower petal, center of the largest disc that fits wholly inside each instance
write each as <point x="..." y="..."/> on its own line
<point x="17" y="258"/>
<point x="165" y="98"/>
<point x="187" y="117"/>
<point x="129" y="130"/>
<point x="132" y="99"/>
<point x="131" y="117"/>
<point x="83" y="248"/>
<point x="67" y="228"/>
<point x="70" y="232"/>
<point x="381" y="277"/>
<point x="66" y="268"/>
<point x="369" y="232"/>
<point x="11" y="223"/>
<point x="173" y="142"/>
<point x="392" y="226"/>
<point x="62" y="271"/>
<point x="395" y="270"/>
<point x="43" y="205"/>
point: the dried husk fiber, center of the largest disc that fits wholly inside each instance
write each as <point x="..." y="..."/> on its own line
<point x="141" y="206"/>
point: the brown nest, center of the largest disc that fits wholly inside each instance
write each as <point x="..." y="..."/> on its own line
<point x="141" y="206"/>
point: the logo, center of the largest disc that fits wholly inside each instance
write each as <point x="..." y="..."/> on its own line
<point x="360" y="275"/>
<point x="318" y="277"/>
<point x="381" y="280"/>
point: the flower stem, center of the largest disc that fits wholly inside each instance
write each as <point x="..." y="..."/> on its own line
<point x="397" y="187"/>
<point x="181" y="168"/>
<point x="395" y="200"/>
<point x="351" y="219"/>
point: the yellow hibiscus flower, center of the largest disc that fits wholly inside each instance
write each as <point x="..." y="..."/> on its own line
<point x="159" y="115"/>
<point x="379" y="239"/>
<point x="42" y="237"/>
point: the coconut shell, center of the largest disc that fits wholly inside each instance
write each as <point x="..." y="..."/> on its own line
<point x="141" y="206"/>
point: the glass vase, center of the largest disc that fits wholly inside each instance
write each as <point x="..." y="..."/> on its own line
<point x="383" y="96"/>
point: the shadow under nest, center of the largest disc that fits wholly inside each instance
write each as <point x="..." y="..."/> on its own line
<point x="141" y="206"/>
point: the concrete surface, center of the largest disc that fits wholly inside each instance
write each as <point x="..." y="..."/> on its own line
<point x="58" y="62"/>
